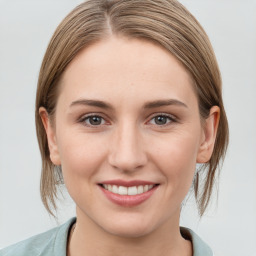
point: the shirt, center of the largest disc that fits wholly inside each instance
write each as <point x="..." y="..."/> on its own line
<point x="54" y="243"/>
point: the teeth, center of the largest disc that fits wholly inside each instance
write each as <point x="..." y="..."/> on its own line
<point x="115" y="189"/>
<point x="131" y="191"/>
<point x="140" y="189"/>
<point x="122" y="190"/>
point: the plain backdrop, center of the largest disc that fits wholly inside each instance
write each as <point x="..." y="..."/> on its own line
<point x="25" y="30"/>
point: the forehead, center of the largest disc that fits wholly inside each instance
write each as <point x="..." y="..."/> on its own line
<point x="126" y="67"/>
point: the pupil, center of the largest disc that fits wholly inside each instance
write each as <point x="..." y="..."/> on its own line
<point x="95" y="120"/>
<point x="161" y="120"/>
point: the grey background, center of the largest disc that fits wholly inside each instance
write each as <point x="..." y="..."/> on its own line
<point x="25" y="29"/>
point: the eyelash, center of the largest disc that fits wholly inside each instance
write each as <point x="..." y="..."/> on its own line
<point x="171" y="118"/>
<point x="87" y="117"/>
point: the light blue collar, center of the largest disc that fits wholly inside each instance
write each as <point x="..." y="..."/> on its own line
<point x="200" y="248"/>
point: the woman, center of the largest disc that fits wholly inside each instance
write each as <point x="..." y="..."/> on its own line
<point x="128" y="102"/>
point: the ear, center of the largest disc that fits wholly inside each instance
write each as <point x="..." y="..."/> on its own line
<point x="209" y="135"/>
<point x="51" y="136"/>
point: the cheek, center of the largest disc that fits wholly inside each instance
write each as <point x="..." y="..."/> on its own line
<point x="81" y="156"/>
<point x="176" y="158"/>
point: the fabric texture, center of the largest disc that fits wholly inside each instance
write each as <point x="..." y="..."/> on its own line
<point x="54" y="243"/>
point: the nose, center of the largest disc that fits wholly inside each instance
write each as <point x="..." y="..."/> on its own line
<point x="127" y="152"/>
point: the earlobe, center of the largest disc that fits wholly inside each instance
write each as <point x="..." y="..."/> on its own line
<point x="209" y="135"/>
<point x="51" y="136"/>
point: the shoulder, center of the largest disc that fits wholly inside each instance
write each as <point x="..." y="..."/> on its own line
<point x="200" y="248"/>
<point x="52" y="242"/>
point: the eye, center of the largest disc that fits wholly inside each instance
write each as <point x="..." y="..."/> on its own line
<point x="161" y="120"/>
<point x="93" y="120"/>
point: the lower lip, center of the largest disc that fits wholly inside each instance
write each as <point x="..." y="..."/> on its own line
<point x="126" y="200"/>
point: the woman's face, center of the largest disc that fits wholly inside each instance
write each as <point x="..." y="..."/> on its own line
<point x="127" y="135"/>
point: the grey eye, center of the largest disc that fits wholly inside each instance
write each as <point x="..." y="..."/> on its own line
<point x="161" y="120"/>
<point x="94" y="120"/>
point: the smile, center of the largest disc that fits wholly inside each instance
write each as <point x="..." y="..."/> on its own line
<point x="131" y="191"/>
<point x="128" y="193"/>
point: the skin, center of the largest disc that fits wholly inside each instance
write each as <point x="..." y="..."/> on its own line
<point x="128" y="143"/>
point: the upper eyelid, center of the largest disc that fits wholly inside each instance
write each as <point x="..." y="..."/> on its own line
<point x="173" y="117"/>
<point x="84" y="116"/>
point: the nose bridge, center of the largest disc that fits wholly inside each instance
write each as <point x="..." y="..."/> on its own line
<point x="127" y="152"/>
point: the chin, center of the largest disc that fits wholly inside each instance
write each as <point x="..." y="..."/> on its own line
<point x="129" y="227"/>
<point x="129" y="231"/>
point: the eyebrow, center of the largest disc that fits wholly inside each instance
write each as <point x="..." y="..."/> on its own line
<point x="94" y="103"/>
<point x="148" y="105"/>
<point x="168" y="102"/>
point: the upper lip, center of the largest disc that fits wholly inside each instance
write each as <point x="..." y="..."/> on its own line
<point x="129" y="183"/>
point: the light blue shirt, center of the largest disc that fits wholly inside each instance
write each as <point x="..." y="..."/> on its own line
<point x="54" y="243"/>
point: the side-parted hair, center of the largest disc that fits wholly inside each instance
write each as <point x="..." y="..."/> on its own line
<point x="165" y="22"/>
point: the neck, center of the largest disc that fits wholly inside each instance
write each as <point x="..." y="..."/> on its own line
<point x="90" y="239"/>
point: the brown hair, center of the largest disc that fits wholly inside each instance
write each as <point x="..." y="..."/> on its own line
<point x="165" y="22"/>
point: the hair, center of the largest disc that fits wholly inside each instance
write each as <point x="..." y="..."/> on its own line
<point x="165" y="22"/>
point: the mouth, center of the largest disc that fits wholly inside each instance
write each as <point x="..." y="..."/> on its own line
<point x="128" y="193"/>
